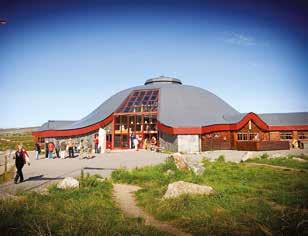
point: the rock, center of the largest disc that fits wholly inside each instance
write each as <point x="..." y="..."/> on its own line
<point x="195" y="166"/>
<point x="178" y="188"/>
<point x="299" y="159"/>
<point x="68" y="183"/>
<point x="169" y="172"/>
<point x="180" y="161"/>
<point x="276" y="155"/>
<point x="183" y="163"/>
<point x="247" y="155"/>
<point x="100" y="180"/>
<point x="302" y="228"/>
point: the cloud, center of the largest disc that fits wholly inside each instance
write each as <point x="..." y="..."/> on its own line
<point x="240" y="39"/>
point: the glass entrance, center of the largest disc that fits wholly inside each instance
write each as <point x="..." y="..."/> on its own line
<point x="128" y="126"/>
<point x="137" y="116"/>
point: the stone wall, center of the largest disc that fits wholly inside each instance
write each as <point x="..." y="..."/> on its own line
<point x="188" y="143"/>
<point x="168" y="142"/>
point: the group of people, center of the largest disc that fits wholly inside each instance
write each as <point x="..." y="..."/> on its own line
<point x="67" y="148"/>
<point x="57" y="149"/>
<point x="147" y="144"/>
<point x="53" y="150"/>
<point x="297" y="144"/>
<point x="85" y="149"/>
<point x="150" y="144"/>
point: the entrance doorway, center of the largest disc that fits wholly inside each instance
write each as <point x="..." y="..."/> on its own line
<point x="129" y="125"/>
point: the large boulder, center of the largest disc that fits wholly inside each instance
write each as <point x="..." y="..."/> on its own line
<point x="246" y="156"/>
<point x="68" y="183"/>
<point x="195" y="165"/>
<point x="184" y="162"/>
<point x="180" y="161"/>
<point x="178" y="188"/>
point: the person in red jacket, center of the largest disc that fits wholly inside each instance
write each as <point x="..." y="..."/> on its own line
<point x="96" y="141"/>
<point x="51" y="148"/>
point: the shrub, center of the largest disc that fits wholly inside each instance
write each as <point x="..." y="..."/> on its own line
<point x="221" y="158"/>
<point x="264" y="156"/>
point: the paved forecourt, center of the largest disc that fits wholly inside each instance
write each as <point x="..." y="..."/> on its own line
<point x="45" y="171"/>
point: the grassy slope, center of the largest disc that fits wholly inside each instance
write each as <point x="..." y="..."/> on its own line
<point x="87" y="211"/>
<point x="247" y="199"/>
<point x="25" y="138"/>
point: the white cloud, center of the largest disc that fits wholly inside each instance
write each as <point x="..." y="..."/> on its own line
<point x="240" y="39"/>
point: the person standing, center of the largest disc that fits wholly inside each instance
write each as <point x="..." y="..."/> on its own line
<point x="20" y="161"/>
<point x="86" y="148"/>
<point x="57" y="148"/>
<point x="37" y="150"/>
<point x="62" y="149"/>
<point x="96" y="141"/>
<point x="70" y="148"/>
<point x="81" y="149"/>
<point x="136" y="142"/>
<point x="132" y="141"/>
<point x="89" y="154"/>
<point x="153" y="143"/>
<point x="51" y="148"/>
<point x="46" y="149"/>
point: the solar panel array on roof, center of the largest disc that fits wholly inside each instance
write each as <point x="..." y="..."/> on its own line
<point x="140" y="101"/>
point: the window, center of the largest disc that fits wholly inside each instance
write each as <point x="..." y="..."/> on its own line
<point x="303" y="135"/>
<point x="286" y="135"/>
<point x="248" y="137"/>
<point x="140" y="101"/>
<point x="41" y="140"/>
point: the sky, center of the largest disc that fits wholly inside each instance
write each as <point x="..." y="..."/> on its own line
<point x="62" y="59"/>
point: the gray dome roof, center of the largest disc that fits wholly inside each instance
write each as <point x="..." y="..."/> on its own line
<point x="179" y="105"/>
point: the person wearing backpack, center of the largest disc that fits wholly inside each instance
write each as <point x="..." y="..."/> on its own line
<point x="57" y="149"/>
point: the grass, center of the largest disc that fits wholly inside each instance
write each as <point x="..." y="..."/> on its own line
<point x="281" y="161"/>
<point x="89" y="210"/>
<point x="8" y="175"/>
<point x="247" y="200"/>
<point x="10" y="141"/>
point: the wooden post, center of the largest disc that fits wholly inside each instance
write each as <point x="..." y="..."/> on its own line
<point x="5" y="164"/>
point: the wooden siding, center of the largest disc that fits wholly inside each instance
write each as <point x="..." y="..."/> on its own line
<point x="262" y="145"/>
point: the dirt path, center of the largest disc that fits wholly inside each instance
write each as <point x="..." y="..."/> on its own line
<point x="124" y="195"/>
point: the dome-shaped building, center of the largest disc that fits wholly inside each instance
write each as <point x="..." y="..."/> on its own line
<point x="181" y="118"/>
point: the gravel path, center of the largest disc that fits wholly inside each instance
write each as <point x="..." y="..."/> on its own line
<point x="44" y="171"/>
<point x="124" y="196"/>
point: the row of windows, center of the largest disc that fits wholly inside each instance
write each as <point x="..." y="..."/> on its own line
<point x="303" y="135"/>
<point x="288" y="135"/>
<point x="248" y="136"/>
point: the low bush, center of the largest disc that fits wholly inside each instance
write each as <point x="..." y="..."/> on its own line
<point x="264" y="156"/>
<point x="221" y="158"/>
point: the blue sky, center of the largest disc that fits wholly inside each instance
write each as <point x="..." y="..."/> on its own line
<point x="62" y="60"/>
